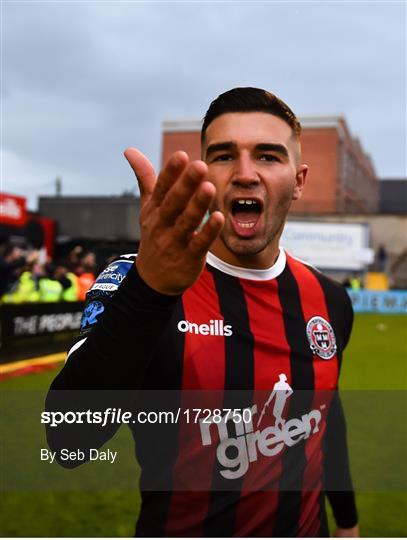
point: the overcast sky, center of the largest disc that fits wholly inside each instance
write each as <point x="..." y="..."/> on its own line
<point x="81" y="81"/>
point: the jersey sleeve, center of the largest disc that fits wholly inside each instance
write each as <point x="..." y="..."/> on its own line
<point x="339" y="307"/>
<point x="122" y="322"/>
<point x="338" y="481"/>
<point x="101" y="292"/>
<point x="348" y="318"/>
<point x="340" y="491"/>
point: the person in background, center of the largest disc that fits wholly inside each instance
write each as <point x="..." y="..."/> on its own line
<point x="69" y="282"/>
<point x="50" y="288"/>
<point x="24" y="288"/>
<point x="355" y="282"/>
<point x="74" y="258"/>
<point x="11" y="261"/>
<point x="86" y="274"/>
<point x="382" y="257"/>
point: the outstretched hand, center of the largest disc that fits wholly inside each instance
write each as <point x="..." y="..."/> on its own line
<point x="172" y="206"/>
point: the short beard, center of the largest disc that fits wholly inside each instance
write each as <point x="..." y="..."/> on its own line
<point x="242" y="248"/>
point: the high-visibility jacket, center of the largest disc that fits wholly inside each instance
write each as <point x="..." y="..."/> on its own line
<point x="25" y="290"/>
<point x="50" y="290"/>
<point x="71" y="294"/>
<point x="85" y="282"/>
<point x="355" y="284"/>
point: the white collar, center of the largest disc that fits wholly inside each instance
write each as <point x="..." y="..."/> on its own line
<point x="249" y="273"/>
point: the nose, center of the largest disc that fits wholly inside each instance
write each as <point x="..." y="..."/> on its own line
<point x="245" y="173"/>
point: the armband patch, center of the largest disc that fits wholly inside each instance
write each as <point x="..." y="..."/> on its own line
<point x="101" y="292"/>
<point x="91" y="313"/>
<point x="112" y="276"/>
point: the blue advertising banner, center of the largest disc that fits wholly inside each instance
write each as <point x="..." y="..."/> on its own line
<point x="378" y="301"/>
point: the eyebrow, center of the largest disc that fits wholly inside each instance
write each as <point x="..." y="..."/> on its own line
<point x="272" y="147"/>
<point x="262" y="147"/>
<point x="212" y="148"/>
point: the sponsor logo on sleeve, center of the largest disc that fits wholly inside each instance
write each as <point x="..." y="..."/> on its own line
<point x="112" y="276"/>
<point x="91" y="313"/>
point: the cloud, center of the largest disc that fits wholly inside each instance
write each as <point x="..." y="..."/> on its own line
<point x="85" y="80"/>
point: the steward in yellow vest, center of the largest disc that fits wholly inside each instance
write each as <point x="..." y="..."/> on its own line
<point x="50" y="290"/>
<point x="355" y="284"/>
<point x="25" y="289"/>
<point x="71" y="293"/>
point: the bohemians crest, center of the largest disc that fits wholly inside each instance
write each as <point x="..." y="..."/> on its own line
<point x="321" y="338"/>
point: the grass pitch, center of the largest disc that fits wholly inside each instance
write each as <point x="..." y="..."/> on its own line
<point x="375" y="362"/>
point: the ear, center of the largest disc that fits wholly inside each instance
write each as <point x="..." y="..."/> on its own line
<point x="300" y="181"/>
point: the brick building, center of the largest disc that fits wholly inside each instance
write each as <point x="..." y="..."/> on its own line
<point x="341" y="179"/>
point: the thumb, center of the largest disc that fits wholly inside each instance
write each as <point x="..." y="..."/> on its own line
<point x="143" y="170"/>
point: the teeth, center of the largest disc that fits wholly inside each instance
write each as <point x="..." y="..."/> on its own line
<point x="246" y="225"/>
<point x="246" y="201"/>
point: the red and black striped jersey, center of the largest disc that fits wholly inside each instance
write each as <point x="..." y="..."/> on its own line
<point x="260" y="351"/>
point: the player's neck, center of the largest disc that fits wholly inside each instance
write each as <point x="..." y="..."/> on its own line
<point x="261" y="261"/>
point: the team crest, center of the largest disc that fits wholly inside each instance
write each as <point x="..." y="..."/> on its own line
<point x="321" y="338"/>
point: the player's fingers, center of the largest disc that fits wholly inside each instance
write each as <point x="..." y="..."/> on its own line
<point x="190" y="219"/>
<point x="180" y="194"/>
<point x="169" y="175"/>
<point x="202" y="240"/>
<point x="143" y="170"/>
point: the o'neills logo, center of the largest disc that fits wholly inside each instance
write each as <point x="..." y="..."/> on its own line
<point x="237" y="450"/>
<point x="214" y="328"/>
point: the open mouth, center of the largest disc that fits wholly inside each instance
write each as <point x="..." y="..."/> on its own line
<point x="246" y="213"/>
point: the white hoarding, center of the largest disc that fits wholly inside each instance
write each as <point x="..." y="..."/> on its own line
<point x="330" y="246"/>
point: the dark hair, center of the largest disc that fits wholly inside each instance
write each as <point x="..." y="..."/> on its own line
<point x="250" y="100"/>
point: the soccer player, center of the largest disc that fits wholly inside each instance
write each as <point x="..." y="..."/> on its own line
<point x="213" y="303"/>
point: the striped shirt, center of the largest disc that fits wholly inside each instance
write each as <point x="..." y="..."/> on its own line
<point x="268" y="342"/>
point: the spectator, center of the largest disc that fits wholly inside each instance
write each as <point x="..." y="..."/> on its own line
<point x="382" y="258"/>
<point x="24" y="277"/>
<point x="50" y="289"/>
<point x="86" y="275"/>
<point x="69" y="282"/>
<point x="74" y="259"/>
<point x="25" y="287"/>
<point x="355" y="282"/>
<point x="11" y="262"/>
